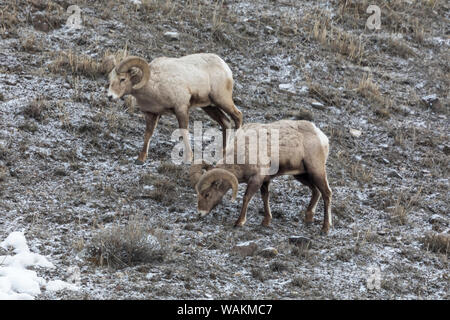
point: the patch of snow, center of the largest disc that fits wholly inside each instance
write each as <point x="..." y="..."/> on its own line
<point x="16" y="281"/>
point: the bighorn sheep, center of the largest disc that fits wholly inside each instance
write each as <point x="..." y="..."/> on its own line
<point x="302" y="152"/>
<point x="174" y="85"/>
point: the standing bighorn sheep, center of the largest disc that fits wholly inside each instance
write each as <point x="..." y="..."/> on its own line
<point x="302" y="152"/>
<point x="174" y="85"/>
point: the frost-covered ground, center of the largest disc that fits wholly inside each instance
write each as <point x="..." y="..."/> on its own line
<point x="67" y="172"/>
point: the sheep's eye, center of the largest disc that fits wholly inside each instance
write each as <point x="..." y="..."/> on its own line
<point x="207" y="195"/>
<point x="122" y="80"/>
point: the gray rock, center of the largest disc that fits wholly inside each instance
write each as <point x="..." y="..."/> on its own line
<point x="317" y="105"/>
<point x="394" y="174"/>
<point x="172" y="36"/>
<point x="300" y="241"/>
<point x="268" y="252"/>
<point x="245" y="248"/>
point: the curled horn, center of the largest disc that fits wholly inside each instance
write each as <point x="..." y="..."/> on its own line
<point x="135" y="62"/>
<point x="217" y="174"/>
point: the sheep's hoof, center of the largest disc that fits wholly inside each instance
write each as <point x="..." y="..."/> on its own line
<point x="239" y="224"/>
<point x="308" y="223"/>
<point x="324" y="231"/>
<point x="139" y="162"/>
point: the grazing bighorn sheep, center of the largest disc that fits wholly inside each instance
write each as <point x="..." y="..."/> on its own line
<point x="174" y="85"/>
<point x="302" y="152"/>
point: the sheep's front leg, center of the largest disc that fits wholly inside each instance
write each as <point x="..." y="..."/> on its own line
<point x="265" y="197"/>
<point x="253" y="186"/>
<point x="183" y="123"/>
<point x="151" y="120"/>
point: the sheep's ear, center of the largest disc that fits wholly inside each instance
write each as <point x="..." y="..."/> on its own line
<point x="136" y="75"/>
<point x="218" y="184"/>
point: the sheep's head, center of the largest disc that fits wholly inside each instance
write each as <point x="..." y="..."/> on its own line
<point x="211" y="188"/>
<point x="129" y="75"/>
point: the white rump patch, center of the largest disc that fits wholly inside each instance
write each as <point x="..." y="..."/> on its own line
<point x="322" y="137"/>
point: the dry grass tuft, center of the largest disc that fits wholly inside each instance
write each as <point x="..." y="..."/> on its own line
<point x="163" y="191"/>
<point x="338" y="40"/>
<point x="399" y="48"/>
<point x="323" y="93"/>
<point x="367" y="87"/>
<point x="29" y="44"/>
<point x="439" y="243"/>
<point x="37" y="109"/>
<point x="130" y="245"/>
<point x="78" y="65"/>
<point x="403" y="207"/>
<point x="175" y="172"/>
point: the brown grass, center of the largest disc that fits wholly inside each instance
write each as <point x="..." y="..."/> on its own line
<point x="338" y="40"/>
<point x="125" y="246"/>
<point x="175" y="172"/>
<point x="29" y="44"/>
<point x="37" y="109"/>
<point x="439" y="243"/>
<point x="77" y="64"/>
<point x="403" y="207"/>
<point x="399" y="48"/>
<point x="323" y="93"/>
<point x="367" y="87"/>
<point x="397" y="16"/>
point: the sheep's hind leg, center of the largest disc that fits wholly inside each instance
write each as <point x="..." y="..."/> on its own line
<point x="227" y="106"/>
<point x="265" y="197"/>
<point x="151" y="120"/>
<point x="321" y="182"/>
<point x="217" y="115"/>
<point x="311" y="210"/>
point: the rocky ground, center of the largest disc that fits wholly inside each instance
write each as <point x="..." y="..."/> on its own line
<point x="68" y="178"/>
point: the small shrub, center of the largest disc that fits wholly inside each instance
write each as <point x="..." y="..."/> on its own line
<point x="300" y="282"/>
<point x="29" y="126"/>
<point x="77" y="65"/>
<point x="37" y="109"/>
<point x="403" y="206"/>
<point x="175" y="172"/>
<point x="130" y="245"/>
<point x="258" y="274"/>
<point x="399" y="48"/>
<point x="439" y="243"/>
<point x="278" y="266"/>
